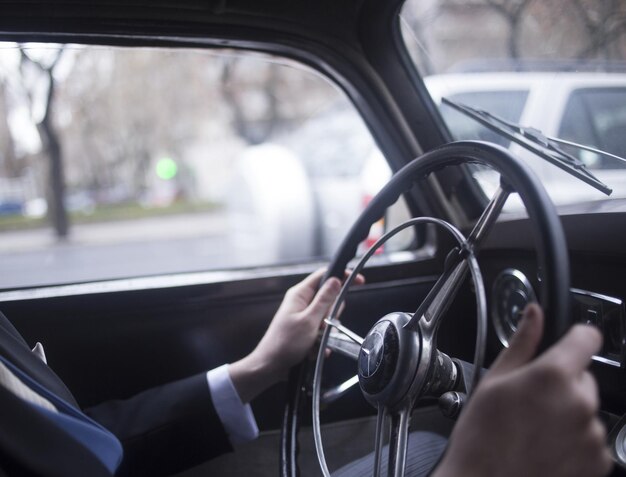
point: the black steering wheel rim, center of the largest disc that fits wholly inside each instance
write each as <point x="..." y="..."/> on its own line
<point x="548" y="236"/>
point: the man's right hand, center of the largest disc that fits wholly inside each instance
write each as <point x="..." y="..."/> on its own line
<point x="533" y="416"/>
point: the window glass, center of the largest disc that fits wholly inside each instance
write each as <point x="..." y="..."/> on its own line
<point x="118" y="162"/>
<point x="505" y="104"/>
<point x="560" y="63"/>
<point x="597" y="118"/>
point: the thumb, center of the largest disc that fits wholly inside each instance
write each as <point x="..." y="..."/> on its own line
<point x="524" y="344"/>
<point x="324" y="298"/>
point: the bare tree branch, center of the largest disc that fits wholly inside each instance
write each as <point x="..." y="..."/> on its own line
<point x="254" y="130"/>
<point x="604" y="24"/>
<point x="513" y="12"/>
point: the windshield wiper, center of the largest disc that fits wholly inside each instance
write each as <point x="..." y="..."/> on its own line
<point x="535" y="141"/>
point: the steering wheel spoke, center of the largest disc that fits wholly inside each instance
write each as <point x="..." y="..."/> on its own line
<point x="398" y="440"/>
<point x="445" y="289"/>
<point x="489" y="216"/>
<point x="343" y="345"/>
<point x="381" y="421"/>
<point x="439" y="298"/>
<point x="340" y="332"/>
<point x="332" y="394"/>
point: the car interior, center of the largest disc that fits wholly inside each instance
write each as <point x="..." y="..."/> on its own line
<point x="114" y="328"/>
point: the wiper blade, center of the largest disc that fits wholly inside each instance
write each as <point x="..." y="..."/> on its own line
<point x="586" y="148"/>
<point x="535" y="141"/>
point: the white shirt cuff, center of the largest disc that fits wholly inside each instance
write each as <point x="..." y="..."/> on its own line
<point x="237" y="417"/>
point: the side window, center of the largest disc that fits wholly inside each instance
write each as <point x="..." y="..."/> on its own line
<point x="119" y="162"/>
<point x="597" y="117"/>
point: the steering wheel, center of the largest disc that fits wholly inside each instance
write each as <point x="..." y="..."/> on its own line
<point x="398" y="361"/>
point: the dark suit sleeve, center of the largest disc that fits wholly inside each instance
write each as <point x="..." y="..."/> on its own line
<point x="165" y="429"/>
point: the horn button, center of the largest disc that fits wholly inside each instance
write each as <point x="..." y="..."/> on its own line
<point x="378" y="357"/>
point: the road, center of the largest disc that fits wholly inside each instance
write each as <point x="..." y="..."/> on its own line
<point x="190" y="242"/>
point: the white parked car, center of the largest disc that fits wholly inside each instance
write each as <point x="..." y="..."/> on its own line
<point x="586" y="108"/>
<point x="331" y="173"/>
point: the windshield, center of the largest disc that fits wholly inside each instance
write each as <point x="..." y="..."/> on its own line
<point x="552" y="65"/>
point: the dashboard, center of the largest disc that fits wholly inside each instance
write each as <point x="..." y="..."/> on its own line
<point x="512" y="291"/>
<point x="597" y="252"/>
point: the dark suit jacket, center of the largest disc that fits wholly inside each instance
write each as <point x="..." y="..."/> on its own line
<point x="163" y="430"/>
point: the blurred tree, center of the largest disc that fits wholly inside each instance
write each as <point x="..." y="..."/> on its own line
<point x="126" y="108"/>
<point x="254" y="118"/>
<point x="264" y="95"/>
<point x="9" y="163"/>
<point x="52" y="144"/>
<point x="605" y="23"/>
<point x="545" y="30"/>
<point x="513" y="12"/>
